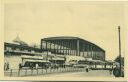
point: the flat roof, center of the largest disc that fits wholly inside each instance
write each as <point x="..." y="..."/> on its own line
<point x="60" y="37"/>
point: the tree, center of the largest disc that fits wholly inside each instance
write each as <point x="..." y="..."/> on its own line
<point x="118" y="60"/>
<point x="117" y="71"/>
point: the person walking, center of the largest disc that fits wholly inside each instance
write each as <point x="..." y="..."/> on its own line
<point x="110" y="71"/>
<point x="87" y="68"/>
<point x="7" y="66"/>
<point x="20" y="66"/>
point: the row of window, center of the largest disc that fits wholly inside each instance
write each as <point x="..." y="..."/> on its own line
<point x="18" y="50"/>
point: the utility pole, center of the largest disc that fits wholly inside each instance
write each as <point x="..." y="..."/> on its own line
<point x="119" y="49"/>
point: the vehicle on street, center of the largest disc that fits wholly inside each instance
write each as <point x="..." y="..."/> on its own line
<point x="81" y="64"/>
<point x="34" y="63"/>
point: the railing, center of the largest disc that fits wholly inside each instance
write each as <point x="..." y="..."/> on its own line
<point x="32" y="72"/>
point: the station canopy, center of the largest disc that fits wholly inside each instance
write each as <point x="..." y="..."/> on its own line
<point x="66" y="40"/>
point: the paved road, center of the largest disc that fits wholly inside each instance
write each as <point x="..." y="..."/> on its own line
<point x="92" y="73"/>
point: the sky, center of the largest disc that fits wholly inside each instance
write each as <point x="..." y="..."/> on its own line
<point x="96" y="22"/>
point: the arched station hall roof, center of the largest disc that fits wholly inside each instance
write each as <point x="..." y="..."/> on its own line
<point x="71" y="38"/>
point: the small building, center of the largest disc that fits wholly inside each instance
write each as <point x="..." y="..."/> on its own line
<point x="13" y="53"/>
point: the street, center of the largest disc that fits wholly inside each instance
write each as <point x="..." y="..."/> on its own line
<point x="92" y="73"/>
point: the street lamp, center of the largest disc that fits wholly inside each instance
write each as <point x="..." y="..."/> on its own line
<point x="119" y="49"/>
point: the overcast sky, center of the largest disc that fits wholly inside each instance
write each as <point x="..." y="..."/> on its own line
<point x="95" y="22"/>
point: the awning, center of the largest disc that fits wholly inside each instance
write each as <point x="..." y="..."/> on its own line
<point x="32" y="57"/>
<point x="28" y="60"/>
<point x="57" y="58"/>
<point x="97" y="61"/>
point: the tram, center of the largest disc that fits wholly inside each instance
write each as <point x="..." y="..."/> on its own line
<point x="34" y="63"/>
<point x="81" y="64"/>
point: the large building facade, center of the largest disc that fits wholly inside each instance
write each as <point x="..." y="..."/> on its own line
<point x="73" y="46"/>
<point x="53" y="48"/>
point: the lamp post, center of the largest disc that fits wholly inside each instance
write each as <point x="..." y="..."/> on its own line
<point x="119" y="49"/>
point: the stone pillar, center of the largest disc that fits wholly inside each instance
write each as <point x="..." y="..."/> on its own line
<point x="70" y="47"/>
<point x="78" y="48"/>
<point x="50" y="46"/>
<point x="87" y="50"/>
<point x="67" y="48"/>
<point x="54" y="46"/>
<point x="91" y="51"/>
<point x="83" y="48"/>
<point x="60" y="42"/>
<point x="46" y="45"/>
<point x="41" y="44"/>
<point x="46" y="49"/>
<point x="57" y="49"/>
<point x="63" y="47"/>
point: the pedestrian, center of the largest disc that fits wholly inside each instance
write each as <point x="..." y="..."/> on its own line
<point x="31" y="66"/>
<point x="86" y="69"/>
<point x="110" y="71"/>
<point x="7" y="66"/>
<point x="20" y="66"/>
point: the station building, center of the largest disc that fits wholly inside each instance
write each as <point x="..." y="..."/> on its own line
<point x="52" y="48"/>
<point x="73" y="46"/>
